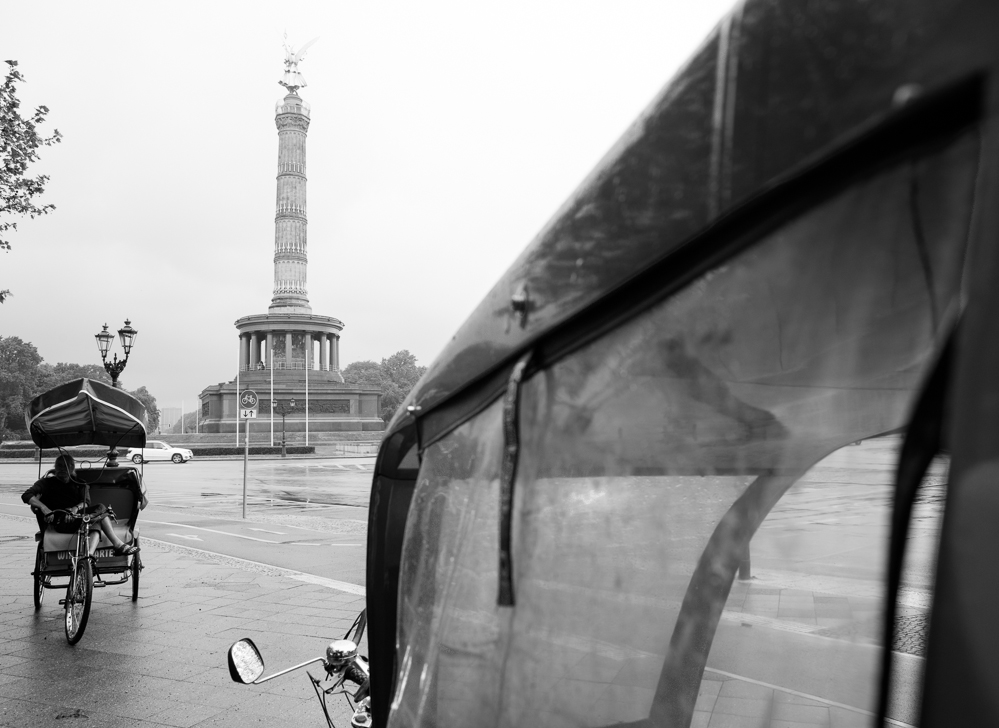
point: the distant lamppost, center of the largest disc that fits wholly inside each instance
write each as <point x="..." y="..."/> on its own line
<point x="127" y="335"/>
<point x="284" y="410"/>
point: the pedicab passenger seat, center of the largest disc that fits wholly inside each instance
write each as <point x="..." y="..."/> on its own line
<point x="120" y="488"/>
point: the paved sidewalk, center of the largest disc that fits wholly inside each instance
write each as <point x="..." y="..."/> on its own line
<point x="162" y="661"/>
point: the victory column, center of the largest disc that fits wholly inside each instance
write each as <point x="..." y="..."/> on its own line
<point x="282" y="345"/>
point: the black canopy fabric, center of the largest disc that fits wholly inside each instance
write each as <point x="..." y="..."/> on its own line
<point x="86" y="412"/>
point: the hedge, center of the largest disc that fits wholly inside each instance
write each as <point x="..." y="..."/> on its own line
<point x="254" y="450"/>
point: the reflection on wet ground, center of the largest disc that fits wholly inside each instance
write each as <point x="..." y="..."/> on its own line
<point x="306" y="486"/>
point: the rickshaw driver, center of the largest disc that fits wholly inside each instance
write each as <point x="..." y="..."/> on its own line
<point x="59" y="491"/>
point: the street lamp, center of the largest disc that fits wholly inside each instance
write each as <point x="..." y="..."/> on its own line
<point x="284" y="410"/>
<point x="127" y="335"/>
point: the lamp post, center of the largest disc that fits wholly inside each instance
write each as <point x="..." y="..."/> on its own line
<point x="127" y="335"/>
<point x="284" y="410"/>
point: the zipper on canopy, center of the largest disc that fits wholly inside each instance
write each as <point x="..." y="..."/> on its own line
<point x="508" y="474"/>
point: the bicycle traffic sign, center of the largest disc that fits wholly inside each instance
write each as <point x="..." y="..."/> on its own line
<point x="248" y="400"/>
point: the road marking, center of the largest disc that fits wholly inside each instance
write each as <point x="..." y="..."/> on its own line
<point x="301" y="543"/>
<point x="264" y="530"/>
<point x="189" y="537"/>
<point x="759" y="620"/>
<point x="328" y="583"/>
<point x="211" y="530"/>
<point x="342" y="586"/>
<point x="807" y="696"/>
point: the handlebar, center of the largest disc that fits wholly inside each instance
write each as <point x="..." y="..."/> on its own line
<point x="85" y="517"/>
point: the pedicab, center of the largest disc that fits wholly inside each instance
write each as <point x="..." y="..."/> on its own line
<point x="673" y="470"/>
<point x="89" y="412"/>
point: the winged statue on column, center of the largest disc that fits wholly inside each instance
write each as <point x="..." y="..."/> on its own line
<point x="293" y="79"/>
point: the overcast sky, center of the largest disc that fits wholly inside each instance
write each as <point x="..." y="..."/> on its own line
<point x="443" y="137"/>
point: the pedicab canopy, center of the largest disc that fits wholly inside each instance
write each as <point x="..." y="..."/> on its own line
<point x="666" y="389"/>
<point x="86" y="412"/>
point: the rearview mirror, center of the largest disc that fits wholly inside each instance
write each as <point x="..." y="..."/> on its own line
<point x="245" y="662"/>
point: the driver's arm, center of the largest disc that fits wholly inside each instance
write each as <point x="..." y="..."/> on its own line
<point x="32" y="497"/>
<point x="36" y="502"/>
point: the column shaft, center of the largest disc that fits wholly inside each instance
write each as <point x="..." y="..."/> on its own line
<point x="287" y="350"/>
<point x="323" y="361"/>
<point x="270" y="348"/>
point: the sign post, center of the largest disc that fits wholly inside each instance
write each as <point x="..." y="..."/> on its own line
<point x="248" y="402"/>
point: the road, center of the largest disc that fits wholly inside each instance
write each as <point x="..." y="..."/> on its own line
<point x="309" y="515"/>
<point x="814" y="599"/>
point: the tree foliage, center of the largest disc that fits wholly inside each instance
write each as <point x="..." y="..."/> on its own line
<point x="53" y="375"/>
<point x="152" y="411"/>
<point x="19" y="143"/>
<point x="23" y="376"/>
<point x="396" y="376"/>
<point x="367" y="373"/>
<point x="19" y="363"/>
<point x="191" y="422"/>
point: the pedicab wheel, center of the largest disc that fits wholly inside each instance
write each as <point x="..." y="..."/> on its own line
<point x="136" y="568"/>
<point x="137" y="459"/>
<point x="177" y="458"/>
<point x="39" y="578"/>
<point x="78" y="596"/>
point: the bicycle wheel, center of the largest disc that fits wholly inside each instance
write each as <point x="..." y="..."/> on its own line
<point x="40" y="580"/>
<point x="136" y="568"/>
<point x="78" y="595"/>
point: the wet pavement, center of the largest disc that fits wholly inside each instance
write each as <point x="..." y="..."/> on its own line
<point x="816" y="592"/>
<point x="162" y="660"/>
<point x="309" y="514"/>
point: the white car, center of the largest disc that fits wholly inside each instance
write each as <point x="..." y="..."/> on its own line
<point x="156" y="450"/>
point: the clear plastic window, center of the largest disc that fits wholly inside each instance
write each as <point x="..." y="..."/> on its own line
<point x="711" y="435"/>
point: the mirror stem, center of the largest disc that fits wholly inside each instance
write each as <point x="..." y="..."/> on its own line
<point x="287" y="670"/>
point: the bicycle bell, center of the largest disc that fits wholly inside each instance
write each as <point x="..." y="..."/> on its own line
<point x="340" y="653"/>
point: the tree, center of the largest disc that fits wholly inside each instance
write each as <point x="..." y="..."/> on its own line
<point x="396" y="376"/>
<point x="19" y="143"/>
<point x="152" y="411"/>
<point x="399" y="374"/>
<point x="52" y="376"/>
<point x="23" y="376"/>
<point x="190" y="422"/>
<point x="401" y="368"/>
<point x="19" y="361"/>
<point x="363" y="372"/>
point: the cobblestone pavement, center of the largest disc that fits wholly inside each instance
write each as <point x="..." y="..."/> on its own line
<point x="162" y="660"/>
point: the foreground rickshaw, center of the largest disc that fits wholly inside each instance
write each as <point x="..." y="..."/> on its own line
<point x="88" y="412"/>
<point x="793" y="250"/>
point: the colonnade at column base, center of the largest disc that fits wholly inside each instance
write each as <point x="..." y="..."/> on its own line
<point x="290" y="341"/>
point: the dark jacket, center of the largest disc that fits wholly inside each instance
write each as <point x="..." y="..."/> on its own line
<point x="54" y="493"/>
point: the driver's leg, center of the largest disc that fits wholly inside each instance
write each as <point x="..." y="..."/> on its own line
<point x="108" y="531"/>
